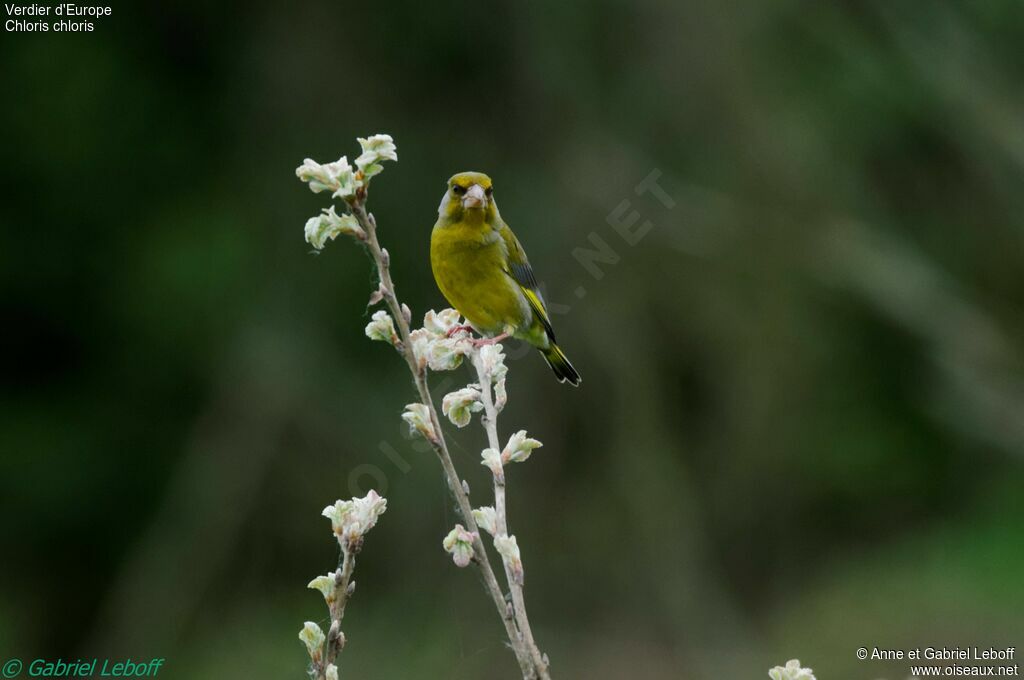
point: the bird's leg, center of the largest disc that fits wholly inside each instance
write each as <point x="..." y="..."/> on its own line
<point x="461" y="327"/>
<point x="480" y="342"/>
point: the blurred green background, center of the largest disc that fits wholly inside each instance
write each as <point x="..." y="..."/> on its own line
<point x="801" y="427"/>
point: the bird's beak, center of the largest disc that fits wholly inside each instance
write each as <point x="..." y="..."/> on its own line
<point x="474" y="197"/>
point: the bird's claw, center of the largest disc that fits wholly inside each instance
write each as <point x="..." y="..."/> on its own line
<point x="480" y="342"/>
<point x="455" y="329"/>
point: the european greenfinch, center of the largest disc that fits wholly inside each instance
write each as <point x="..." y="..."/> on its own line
<point x="482" y="270"/>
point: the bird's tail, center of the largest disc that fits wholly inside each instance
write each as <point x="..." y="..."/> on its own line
<point x="559" y="363"/>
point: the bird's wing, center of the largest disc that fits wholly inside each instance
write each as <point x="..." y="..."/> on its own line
<point x="518" y="267"/>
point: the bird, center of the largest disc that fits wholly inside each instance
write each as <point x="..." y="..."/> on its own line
<point x="482" y="270"/>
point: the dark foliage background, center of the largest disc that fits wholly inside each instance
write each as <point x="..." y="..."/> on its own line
<point x="801" y="427"/>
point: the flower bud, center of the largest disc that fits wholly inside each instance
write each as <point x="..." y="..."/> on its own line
<point x="421" y="340"/>
<point x="325" y="584"/>
<point x="791" y="671"/>
<point x="382" y="327"/>
<point x="329" y="225"/>
<point x="486" y="519"/>
<point x="445" y="354"/>
<point x="492" y="461"/>
<point x="508" y="548"/>
<point x="500" y="395"/>
<point x="459" y="543"/>
<point x="351" y="520"/>
<point x="337" y="177"/>
<point x="376" y="148"/>
<point x="440" y="323"/>
<point x="418" y="417"/>
<point x="492" y="361"/>
<point x="460" y="405"/>
<point x="313" y="637"/>
<point x="519" y="447"/>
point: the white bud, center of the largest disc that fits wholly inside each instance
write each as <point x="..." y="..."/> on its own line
<point x="459" y="543"/>
<point x="791" y="671"/>
<point x="329" y="225"/>
<point x="492" y="361"/>
<point x="317" y="176"/>
<point x="346" y="179"/>
<point x="460" y="405"/>
<point x="338" y="514"/>
<point x="315" y="233"/>
<point x="438" y="351"/>
<point x="325" y="584"/>
<point x="421" y="340"/>
<point x="519" y="447"/>
<point x="508" y="548"/>
<point x="500" y="395"/>
<point x="350" y="520"/>
<point x="375" y="149"/>
<point x="492" y="461"/>
<point x="445" y="354"/>
<point x="382" y="327"/>
<point x="434" y="347"/>
<point x="376" y="296"/>
<point x="486" y="519"/>
<point x="313" y="638"/>
<point x="418" y="417"/>
<point x="368" y="509"/>
<point x="337" y="177"/>
<point x="332" y="672"/>
<point x="440" y="323"/>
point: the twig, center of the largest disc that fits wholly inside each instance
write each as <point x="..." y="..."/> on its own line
<point x="350" y="521"/>
<point x="343" y="589"/>
<point x="515" y="580"/>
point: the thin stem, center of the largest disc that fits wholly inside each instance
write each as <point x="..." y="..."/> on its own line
<point x="515" y="583"/>
<point x="342" y="593"/>
<point x="527" y="664"/>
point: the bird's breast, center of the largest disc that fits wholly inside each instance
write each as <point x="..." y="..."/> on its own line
<point x="469" y="265"/>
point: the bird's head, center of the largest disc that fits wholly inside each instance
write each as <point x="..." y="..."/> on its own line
<point x="469" y="196"/>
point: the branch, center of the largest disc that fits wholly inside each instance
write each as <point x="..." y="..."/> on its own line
<point x="515" y="576"/>
<point x="344" y="587"/>
<point x="350" y="520"/>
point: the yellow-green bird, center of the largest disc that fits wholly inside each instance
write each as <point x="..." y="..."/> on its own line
<point x="482" y="270"/>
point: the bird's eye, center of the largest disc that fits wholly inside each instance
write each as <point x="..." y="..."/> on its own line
<point x="459" y="189"/>
<point x="489" y="191"/>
